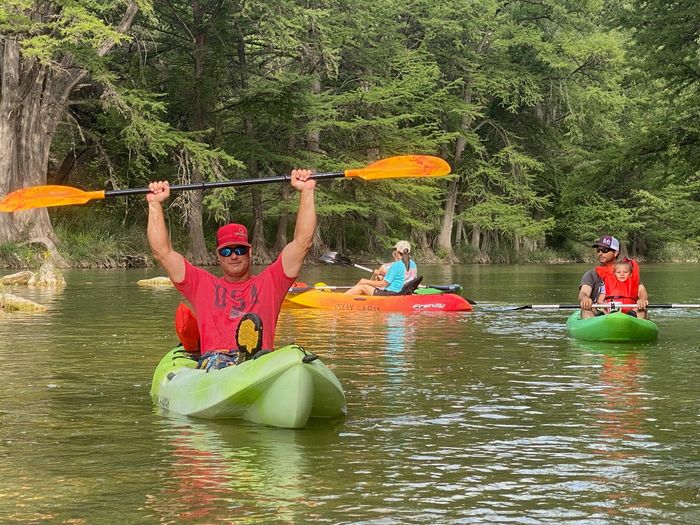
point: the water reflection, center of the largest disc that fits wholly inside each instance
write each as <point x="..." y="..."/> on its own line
<point x="399" y="335"/>
<point x="618" y="415"/>
<point x="231" y="473"/>
<point x="620" y="388"/>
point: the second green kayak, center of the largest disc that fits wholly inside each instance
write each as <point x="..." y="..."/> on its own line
<point x="614" y="327"/>
<point x="282" y="389"/>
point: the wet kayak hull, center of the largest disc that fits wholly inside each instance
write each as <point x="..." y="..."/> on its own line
<point x="615" y="327"/>
<point x="278" y="389"/>
<point x="445" y="302"/>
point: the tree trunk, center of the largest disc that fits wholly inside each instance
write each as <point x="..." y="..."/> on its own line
<point x="33" y="99"/>
<point x="282" y="221"/>
<point x="444" y="242"/>
<point x="257" y="227"/>
<point x="313" y="144"/>
<point x="461" y="233"/>
<point x="262" y="254"/>
<point x="260" y="251"/>
<point x="197" y="247"/>
<point x="60" y="176"/>
<point x="379" y="231"/>
<point x="318" y="246"/>
<point x="475" y="242"/>
<point x="9" y="131"/>
<point x="340" y="240"/>
<point x="421" y="241"/>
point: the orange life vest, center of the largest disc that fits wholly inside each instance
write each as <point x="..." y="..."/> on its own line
<point x="620" y="292"/>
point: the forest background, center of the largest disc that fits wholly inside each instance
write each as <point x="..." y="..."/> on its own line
<point x="562" y="120"/>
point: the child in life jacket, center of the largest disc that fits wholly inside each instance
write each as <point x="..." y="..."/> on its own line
<point x="621" y="286"/>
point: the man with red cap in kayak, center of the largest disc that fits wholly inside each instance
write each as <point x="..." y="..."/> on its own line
<point x="223" y="304"/>
<point x="607" y="249"/>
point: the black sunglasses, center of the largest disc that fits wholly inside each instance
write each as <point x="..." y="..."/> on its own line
<point x="226" y="251"/>
<point x="604" y="250"/>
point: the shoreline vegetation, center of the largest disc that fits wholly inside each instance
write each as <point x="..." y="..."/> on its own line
<point x="128" y="249"/>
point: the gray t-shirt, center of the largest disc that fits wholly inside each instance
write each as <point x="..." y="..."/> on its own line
<point x="592" y="279"/>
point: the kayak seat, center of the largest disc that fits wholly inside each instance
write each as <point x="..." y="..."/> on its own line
<point x="411" y="286"/>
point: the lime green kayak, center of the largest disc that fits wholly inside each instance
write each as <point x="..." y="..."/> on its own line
<point x="615" y="327"/>
<point x="447" y="288"/>
<point x="283" y="388"/>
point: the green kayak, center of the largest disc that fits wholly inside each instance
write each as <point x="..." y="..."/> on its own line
<point x="446" y="288"/>
<point x="283" y="388"/>
<point x="615" y="327"/>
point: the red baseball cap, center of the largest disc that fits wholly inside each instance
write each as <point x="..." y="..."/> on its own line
<point x="232" y="235"/>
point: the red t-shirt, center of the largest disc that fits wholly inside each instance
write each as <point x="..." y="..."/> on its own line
<point x="219" y="304"/>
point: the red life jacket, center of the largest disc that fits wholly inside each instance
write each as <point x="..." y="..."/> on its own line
<point x="186" y="328"/>
<point x="619" y="292"/>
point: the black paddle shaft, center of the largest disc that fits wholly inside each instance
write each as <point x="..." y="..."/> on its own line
<point x="221" y="184"/>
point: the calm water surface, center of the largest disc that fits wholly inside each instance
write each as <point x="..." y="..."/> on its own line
<point x="491" y="416"/>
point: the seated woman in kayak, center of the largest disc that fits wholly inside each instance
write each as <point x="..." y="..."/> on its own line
<point x="621" y="285"/>
<point x="402" y="270"/>
<point x="380" y="272"/>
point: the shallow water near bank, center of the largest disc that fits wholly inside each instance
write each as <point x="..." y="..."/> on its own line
<point x="486" y="416"/>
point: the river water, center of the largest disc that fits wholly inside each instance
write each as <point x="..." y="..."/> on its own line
<point x="490" y="416"/>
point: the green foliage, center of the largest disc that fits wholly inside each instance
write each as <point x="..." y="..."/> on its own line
<point x="19" y="255"/>
<point x="96" y="236"/>
<point x="561" y="120"/>
<point x="77" y="28"/>
<point x="598" y="215"/>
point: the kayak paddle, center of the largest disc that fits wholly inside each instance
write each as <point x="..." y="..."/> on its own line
<point x="604" y="305"/>
<point x="337" y="258"/>
<point x="413" y="166"/>
<point x="300" y="289"/>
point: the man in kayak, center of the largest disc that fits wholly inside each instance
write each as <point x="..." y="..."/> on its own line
<point x="399" y="272"/>
<point x="222" y="303"/>
<point x="607" y="250"/>
<point x="621" y="285"/>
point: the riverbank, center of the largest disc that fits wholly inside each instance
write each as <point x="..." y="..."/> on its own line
<point x="101" y="253"/>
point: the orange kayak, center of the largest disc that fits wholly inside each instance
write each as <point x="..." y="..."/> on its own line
<point x="324" y="300"/>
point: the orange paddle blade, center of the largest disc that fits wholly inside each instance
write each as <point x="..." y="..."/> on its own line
<point x="42" y="196"/>
<point x="402" y="166"/>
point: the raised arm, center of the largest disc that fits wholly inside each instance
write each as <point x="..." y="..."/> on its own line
<point x="157" y="232"/>
<point x="294" y="253"/>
